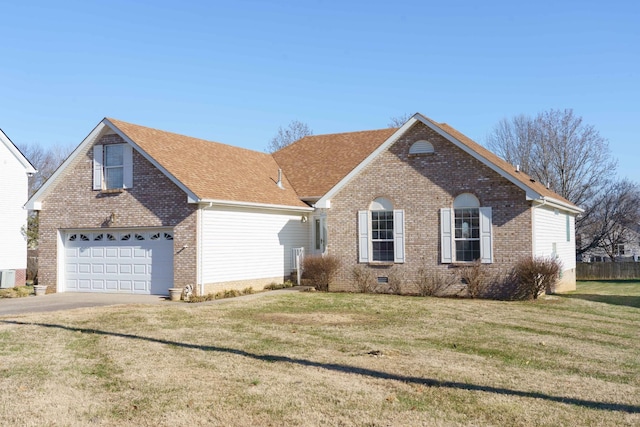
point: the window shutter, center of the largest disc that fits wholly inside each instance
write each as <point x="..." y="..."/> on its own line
<point x="486" y="246"/>
<point x="363" y="236"/>
<point x="128" y="166"/>
<point x="398" y="236"/>
<point x="97" y="167"/>
<point x="446" y="236"/>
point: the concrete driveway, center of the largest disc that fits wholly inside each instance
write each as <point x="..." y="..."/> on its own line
<point x="71" y="300"/>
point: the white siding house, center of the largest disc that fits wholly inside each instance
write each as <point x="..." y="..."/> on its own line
<point x="249" y="244"/>
<point x="554" y="235"/>
<point x="14" y="175"/>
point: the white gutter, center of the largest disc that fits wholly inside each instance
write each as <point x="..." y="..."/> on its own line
<point x="211" y="202"/>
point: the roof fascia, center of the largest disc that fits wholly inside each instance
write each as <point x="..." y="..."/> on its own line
<point x="325" y="201"/>
<point x="26" y="164"/>
<point x="35" y="202"/>
<point x="191" y="196"/>
<point x="207" y="203"/>
<point x="530" y="193"/>
<point x="554" y="203"/>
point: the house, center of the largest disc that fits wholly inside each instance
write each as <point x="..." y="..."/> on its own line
<point x="14" y="176"/>
<point x="626" y="250"/>
<point x="139" y="210"/>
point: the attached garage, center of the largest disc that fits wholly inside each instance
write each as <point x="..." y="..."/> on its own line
<point x="118" y="261"/>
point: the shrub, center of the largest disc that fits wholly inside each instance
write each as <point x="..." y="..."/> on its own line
<point x="247" y="291"/>
<point x="475" y="276"/>
<point x="397" y="279"/>
<point x="320" y="271"/>
<point x="537" y="275"/>
<point x="363" y="279"/>
<point x="273" y="286"/>
<point x="432" y="282"/>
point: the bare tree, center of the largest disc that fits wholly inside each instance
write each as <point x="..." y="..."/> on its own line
<point x="613" y="215"/>
<point x="45" y="159"/>
<point x="558" y="149"/>
<point x="573" y="159"/>
<point x="285" y="136"/>
<point x="398" y="121"/>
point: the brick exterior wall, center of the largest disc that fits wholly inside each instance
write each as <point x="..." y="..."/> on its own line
<point x="153" y="201"/>
<point x="421" y="186"/>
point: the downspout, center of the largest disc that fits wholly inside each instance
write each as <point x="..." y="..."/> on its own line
<point x="200" y="246"/>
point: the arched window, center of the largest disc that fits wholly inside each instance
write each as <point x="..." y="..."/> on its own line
<point x="466" y="209"/>
<point x="382" y="229"/>
<point x="421" y="147"/>
<point x="381" y="232"/>
<point x="466" y="231"/>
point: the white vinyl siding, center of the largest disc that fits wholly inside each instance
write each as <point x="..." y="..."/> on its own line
<point x="551" y="228"/>
<point x="248" y="244"/>
<point x="13" y="195"/>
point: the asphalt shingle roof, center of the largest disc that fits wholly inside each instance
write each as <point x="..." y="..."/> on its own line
<point x="214" y="171"/>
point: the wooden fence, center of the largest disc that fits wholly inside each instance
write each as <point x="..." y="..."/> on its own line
<point x="607" y="270"/>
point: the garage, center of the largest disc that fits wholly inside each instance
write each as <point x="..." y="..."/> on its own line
<point x="119" y="261"/>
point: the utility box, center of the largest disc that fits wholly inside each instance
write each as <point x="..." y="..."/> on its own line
<point x="7" y="278"/>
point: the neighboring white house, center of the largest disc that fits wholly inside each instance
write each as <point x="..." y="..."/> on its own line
<point x="14" y="177"/>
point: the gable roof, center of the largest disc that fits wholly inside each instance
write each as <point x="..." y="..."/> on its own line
<point x="26" y="164"/>
<point x="315" y="164"/>
<point x="208" y="172"/>
<point x="534" y="190"/>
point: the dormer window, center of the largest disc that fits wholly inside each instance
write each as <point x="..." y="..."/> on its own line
<point x="420" y="148"/>
<point x="112" y="166"/>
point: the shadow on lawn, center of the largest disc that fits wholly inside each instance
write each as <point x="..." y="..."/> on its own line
<point x="429" y="382"/>
<point x="630" y="301"/>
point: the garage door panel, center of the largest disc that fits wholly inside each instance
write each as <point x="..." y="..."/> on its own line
<point x="97" y="252"/>
<point x="139" y="253"/>
<point x="119" y="261"/>
<point x="125" y="252"/>
<point x="111" y="252"/>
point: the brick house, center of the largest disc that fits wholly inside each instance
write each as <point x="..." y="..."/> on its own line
<point x="139" y="210"/>
<point x="14" y="182"/>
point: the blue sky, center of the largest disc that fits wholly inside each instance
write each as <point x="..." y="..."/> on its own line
<point x="234" y="71"/>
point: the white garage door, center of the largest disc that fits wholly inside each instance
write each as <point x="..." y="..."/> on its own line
<point x="127" y="261"/>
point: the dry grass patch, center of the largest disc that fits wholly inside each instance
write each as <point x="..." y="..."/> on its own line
<point x="325" y="359"/>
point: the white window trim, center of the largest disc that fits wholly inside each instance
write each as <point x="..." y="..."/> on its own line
<point x="365" y="243"/>
<point x="447" y="236"/>
<point x="98" y="167"/>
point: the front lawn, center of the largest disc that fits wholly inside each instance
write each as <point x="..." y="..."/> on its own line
<point x="316" y="359"/>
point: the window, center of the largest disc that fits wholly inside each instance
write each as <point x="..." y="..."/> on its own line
<point x="112" y="166"/>
<point x="381" y="233"/>
<point x="620" y="250"/>
<point x="421" y="147"/>
<point x="467" y="234"/>
<point x="465" y="231"/>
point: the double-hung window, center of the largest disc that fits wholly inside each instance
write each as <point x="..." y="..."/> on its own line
<point x="381" y="233"/>
<point x="112" y="166"/>
<point x="466" y="231"/>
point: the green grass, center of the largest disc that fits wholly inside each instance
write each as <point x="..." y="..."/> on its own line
<point x="330" y="359"/>
<point x="616" y="292"/>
